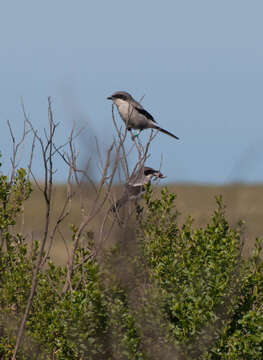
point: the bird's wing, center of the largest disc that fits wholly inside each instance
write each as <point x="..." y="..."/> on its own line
<point x="145" y="113"/>
<point x="131" y="193"/>
<point x="134" y="190"/>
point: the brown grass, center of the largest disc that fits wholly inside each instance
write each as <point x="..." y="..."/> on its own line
<point x="242" y="202"/>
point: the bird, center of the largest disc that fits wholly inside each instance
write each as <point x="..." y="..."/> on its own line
<point x="135" y="186"/>
<point x="133" y="114"/>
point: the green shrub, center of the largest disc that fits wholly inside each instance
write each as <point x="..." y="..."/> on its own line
<point x="188" y="294"/>
<point x="192" y="267"/>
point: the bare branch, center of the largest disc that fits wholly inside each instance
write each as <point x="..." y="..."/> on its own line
<point x="47" y="192"/>
<point x="16" y="146"/>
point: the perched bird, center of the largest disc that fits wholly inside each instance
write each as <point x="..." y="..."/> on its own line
<point x="135" y="186"/>
<point x="133" y="114"/>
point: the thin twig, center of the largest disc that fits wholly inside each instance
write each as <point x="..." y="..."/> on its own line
<point x="47" y="192"/>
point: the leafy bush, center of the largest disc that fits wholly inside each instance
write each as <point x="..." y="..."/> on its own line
<point x="193" y="268"/>
<point x="188" y="294"/>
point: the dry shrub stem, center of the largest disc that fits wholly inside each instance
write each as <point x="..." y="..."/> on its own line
<point x="47" y="149"/>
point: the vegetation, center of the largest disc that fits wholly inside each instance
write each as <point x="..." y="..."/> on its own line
<point x="176" y="292"/>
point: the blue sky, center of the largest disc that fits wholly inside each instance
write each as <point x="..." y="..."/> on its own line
<point x="199" y="65"/>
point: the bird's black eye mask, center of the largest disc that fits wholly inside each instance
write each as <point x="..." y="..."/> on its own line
<point x="119" y="96"/>
<point x="155" y="173"/>
<point x="149" y="172"/>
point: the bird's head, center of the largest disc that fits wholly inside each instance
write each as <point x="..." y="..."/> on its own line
<point x="119" y="97"/>
<point x="144" y="176"/>
<point x="150" y="173"/>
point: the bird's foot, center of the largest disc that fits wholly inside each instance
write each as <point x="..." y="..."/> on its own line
<point x="134" y="136"/>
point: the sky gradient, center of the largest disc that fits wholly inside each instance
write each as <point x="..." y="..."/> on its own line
<point x="198" y="64"/>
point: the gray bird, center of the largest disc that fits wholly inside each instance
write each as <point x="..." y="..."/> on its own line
<point x="133" y="114"/>
<point x="135" y="186"/>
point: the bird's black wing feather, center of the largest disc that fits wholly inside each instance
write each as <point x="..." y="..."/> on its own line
<point x="131" y="193"/>
<point x="145" y="113"/>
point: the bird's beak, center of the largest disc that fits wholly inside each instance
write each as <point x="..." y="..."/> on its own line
<point x="109" y="97"/>
<point x="159" y="175"/>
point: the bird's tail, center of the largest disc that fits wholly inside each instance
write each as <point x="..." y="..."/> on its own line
<point x="166" y="132"/>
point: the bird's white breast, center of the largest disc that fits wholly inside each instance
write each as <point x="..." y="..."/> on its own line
<point x="123" y="107"/>
<point x="143" y="180"/>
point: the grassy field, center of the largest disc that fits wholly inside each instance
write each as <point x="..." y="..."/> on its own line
<point x="242" y="202"/>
